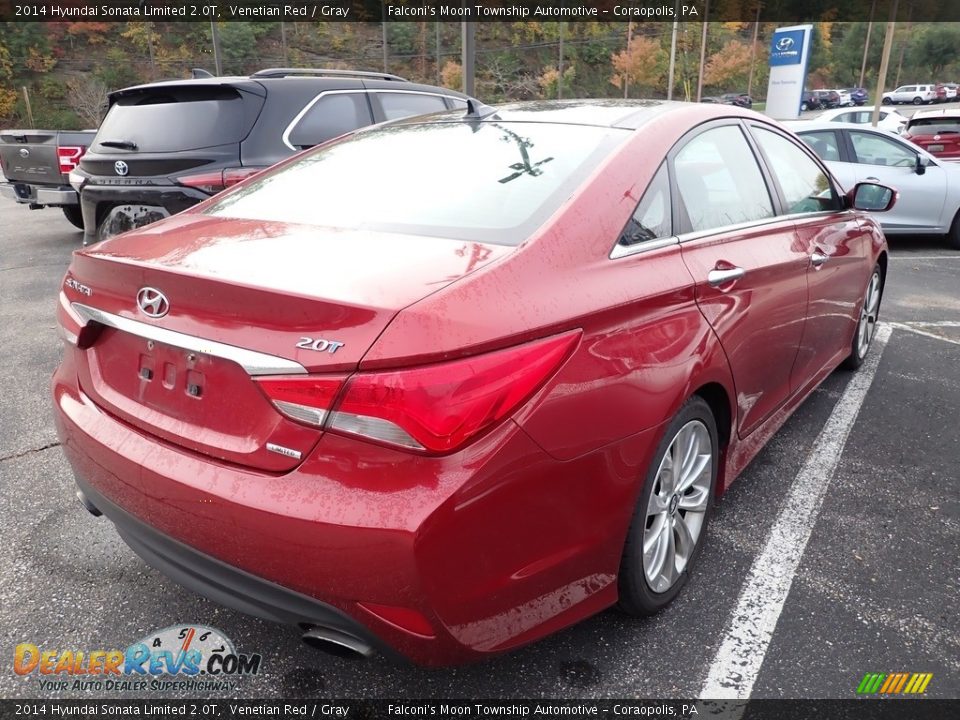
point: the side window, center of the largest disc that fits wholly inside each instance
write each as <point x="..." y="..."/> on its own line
<point x="401" y="105"/>
<point x="805" y="186"/>
<point x="845" y="117"/>
<point x="330" y="116"/>
<point x="824" y="144"/>
<point x="719" y="180"/>
<point x="872" y="149"/>
<point x="651" y="219"/>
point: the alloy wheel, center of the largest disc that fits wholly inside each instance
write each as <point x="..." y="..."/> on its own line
<point x="677" y="506"/>
<point x="868" y="315"/>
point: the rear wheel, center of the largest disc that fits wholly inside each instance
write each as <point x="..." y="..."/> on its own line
<point x="886" y="101"/>
<point x="73" y="214"/>
<point x="867" y="324"/>
<point x="671" y="516"/>
<point x="803" y="107"/>
<point x="917" y="101"/>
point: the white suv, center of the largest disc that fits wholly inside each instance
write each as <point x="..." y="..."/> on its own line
<point x="916" y="94"/>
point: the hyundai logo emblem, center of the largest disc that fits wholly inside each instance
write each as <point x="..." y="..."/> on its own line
<point x="784" y="44"/>
<point x="120" y="167"/>
<point x="24" y="152"/>
<point x="152" y="302"/>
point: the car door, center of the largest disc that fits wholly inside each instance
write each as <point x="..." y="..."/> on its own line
<point x="749" y="269"/>
<point x="879" y="157"/>
<point x="833" y="240"/>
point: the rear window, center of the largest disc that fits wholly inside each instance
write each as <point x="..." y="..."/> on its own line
<point x="935" y="126"/>
<point x="484" y="181"/>
<point x="177" y="118"/>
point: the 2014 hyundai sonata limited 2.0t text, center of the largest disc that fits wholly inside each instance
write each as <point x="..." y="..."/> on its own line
<point x="447" y="385"/>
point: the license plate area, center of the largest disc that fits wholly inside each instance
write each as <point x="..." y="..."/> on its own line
<point x="202" y="402"/>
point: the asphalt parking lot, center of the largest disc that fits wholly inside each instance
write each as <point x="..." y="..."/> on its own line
<point x="875" y="587"/>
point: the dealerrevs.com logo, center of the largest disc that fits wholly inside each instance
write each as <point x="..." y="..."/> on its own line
<point x="179" y="657"/>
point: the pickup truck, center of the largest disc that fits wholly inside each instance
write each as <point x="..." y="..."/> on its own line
<point x="36" y="165"/>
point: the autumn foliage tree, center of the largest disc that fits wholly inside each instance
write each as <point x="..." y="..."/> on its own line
<point x="641" y="65"/>
<point x="728" y="68"/>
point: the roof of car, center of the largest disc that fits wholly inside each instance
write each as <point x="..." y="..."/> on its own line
<point x="941" y="112"/>
<point x="626" y="114"/>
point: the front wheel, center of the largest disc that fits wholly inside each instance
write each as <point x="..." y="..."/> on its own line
<point x="867" y="324"/>
<point x="803" y="107"/>
<point x="670" y="520"/>
<point x="886" y="101"/>
<point x="953" y="237"/>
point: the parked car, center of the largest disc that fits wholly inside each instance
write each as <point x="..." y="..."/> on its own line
<point x="166" y="146"/>
<point x="845" y="99"/>
<point x="950" y="91"/>
<point x="859" y="96"/>
<point x="36" y="165"/>
<point x="929" y="188"/>
<point x="828" y="98"/>
<point x="936" y="131"/>
<point x="889" y="119"/>
<point x="913" y="94"/>
<point x="738" y="99"/>
<point x="311" y="397"/>
<point x="711" y="99"/>
<point x="810" y="101"/>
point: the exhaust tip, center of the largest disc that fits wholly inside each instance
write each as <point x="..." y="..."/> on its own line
<point x="336" y="643"/>
<point x="87" y="505"/>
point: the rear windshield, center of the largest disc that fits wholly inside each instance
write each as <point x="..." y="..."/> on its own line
<point x="178" y="118"/>
<point x="935" y="126"/>
<point x="485" y="181"/>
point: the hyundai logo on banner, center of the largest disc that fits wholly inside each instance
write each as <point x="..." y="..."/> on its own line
<point x="786" y="47"/>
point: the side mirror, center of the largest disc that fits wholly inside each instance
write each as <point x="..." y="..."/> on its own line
<point x="920" y="168"/>
<point x="872" y="197"/>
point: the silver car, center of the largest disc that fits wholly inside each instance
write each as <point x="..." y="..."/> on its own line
<point x="929" y="202"/>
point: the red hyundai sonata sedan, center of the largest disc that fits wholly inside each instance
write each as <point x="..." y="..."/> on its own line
<point x="446" y="386"/>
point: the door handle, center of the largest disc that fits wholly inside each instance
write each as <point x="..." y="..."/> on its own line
<point x="818" y="259"/>
<point x="720" y="277"/>
<point x="873" y="179"/>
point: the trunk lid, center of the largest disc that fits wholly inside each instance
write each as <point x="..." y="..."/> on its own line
<point x="272" y="288"/>
<point x="30" y="156"/>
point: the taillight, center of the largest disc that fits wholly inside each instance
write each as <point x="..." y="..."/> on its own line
<point x="68" y="157"/>
<point x="435" y="408"/>
<point x="216" y="180"/>
<point x="307" y="399"/>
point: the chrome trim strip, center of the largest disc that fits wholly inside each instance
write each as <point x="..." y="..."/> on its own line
<point x="697" y="234"/>
<point x="620" y="251"/>
<point x="255" y="363"/>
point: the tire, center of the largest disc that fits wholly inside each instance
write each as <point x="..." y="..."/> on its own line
<point x="803" y="107"/>
<point x="886" y="101"/>
<point x="867" y="324"/>
<point x="73" y="214"/>
<point x="649" y="584"/>
<point x="953" y="237"/>
<point x="917" y="101"/>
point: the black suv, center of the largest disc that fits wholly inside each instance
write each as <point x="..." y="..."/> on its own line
<point x="166" y="146"/>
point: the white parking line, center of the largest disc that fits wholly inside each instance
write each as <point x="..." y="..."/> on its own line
<point x="737" y="663"/>
<point x="913" y="327"/>
<point x="924" y="257"/>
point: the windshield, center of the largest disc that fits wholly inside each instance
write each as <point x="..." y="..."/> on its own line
<point x="482" y="181"/>
<point x="935" y="126"/>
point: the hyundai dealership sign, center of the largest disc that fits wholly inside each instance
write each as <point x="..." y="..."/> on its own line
<point x="789" y="51"/>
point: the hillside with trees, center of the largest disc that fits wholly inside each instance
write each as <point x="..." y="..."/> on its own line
<point x="65" y="70"/>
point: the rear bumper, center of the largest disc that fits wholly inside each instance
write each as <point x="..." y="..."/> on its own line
<point x="34" y="195"/>
<point x="96" y="201"/>
<point x="489" y="549"/>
